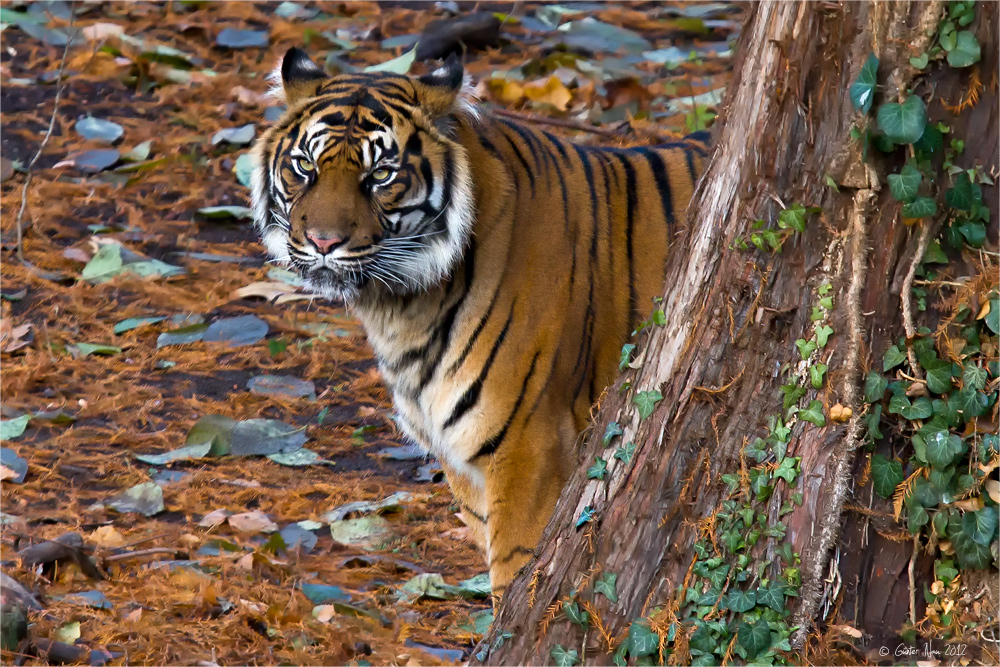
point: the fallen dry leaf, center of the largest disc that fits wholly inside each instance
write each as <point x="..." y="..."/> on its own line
<point x="107" y="536"/>
<point x="551" y="91"/>
<point x="214" y="518"/>
<point x="13" y="338"/>
<point x="99" y="31"/>
<point x="252" y="522"/>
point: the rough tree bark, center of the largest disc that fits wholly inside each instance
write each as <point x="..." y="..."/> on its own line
<point x="732" y="319"/>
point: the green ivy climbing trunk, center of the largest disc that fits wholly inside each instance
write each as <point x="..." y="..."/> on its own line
<point x="722" y="503"/>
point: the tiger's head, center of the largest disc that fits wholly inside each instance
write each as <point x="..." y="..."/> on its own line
<point x="361" y="185"/>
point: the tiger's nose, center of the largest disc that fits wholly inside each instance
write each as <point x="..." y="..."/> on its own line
<point x="324" y="243"/>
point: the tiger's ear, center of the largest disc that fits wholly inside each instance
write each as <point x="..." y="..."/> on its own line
<point x="438" y="91"/>
<point x="300" y="76"/>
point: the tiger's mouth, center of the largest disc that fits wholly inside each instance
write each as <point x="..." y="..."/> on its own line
<point x="333" y="283"/>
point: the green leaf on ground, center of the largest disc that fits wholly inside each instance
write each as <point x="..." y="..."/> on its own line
<point x="12" y="428"/>
<point x="145" y="499"/>
<point x="181" y="454"/>
<point x="135" y="323"/>
<point x="400" y="65"/>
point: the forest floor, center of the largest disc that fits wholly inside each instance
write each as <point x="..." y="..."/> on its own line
<point x="119" y="340"/>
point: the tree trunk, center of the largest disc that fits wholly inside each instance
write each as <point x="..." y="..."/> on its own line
<point x="732" y="318"/>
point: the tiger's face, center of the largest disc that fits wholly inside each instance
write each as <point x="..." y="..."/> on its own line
<point x="359" y="186"/>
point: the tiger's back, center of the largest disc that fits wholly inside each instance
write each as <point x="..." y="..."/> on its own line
<point x="494" y="366"/>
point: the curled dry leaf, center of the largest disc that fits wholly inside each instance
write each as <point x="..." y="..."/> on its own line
<point x="551" y="91"/>
<point x="252" y="522"/>
<point x="14" y="338"/>
<point x="993" y="488"/>
<point x="214" y="518"/>
<point x="99" y="31"/>
<point x="324" y="613"/>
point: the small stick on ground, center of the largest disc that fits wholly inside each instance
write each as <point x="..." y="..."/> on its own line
<point x="45" y="140"/>
<point x="117" y="558"/>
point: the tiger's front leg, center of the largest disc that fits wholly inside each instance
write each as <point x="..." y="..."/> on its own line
<point x="471" y="501"/>
<point x="524" y="479"/>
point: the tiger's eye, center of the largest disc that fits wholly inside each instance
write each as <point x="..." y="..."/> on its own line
<point x="304" y="164"/>
<point x="381" y="175"/>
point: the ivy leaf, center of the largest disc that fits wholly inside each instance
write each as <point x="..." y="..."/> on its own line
<point x="607" y="586"/>
<point x="973" y="231"/>
<point x="981" y="525"/>
<point x="966" y="50"/>
<point x="992" y="318"/>
<point x="931" y="141"/>
<point x="741" y="601"/>
<point x="598" y="470"/>
<point x="773" y="596"/>
<point x="964" y="195"/>
<point x="816" y="373"/>
<point x="893" y="357"/>
<point x="905" y="184"/>
<point x="788" y="469"/>
<point x="921" y="409"/>
<point x="642" y="641"/>
<point x="754" y="637"/>
<point x="898" y="403"/>
<point x="823" y="335"/>
<point x="886" y="475"/>
<point x="585" y="516"/>
<point x="624" y="452"/>
<point x="826" y="302"/>
<point x="614" y="429"/>
<point x="972" y="403"/>
<point x="921" y="207"/>
<point x="794" y="217"/>
<point x="938" y="375"/>
<point x="970" y="554"/>
<point x="875" y="385"/>
<point x="756" y="450"/>
<point x="563" y="658"/>
<point x="863" y="89"/>
<point x="627" y="350"/>
<point x="942" y="449"/>
<point x="934" y="254"/>
<point x="646" y="401"/>
<point x="576" y="615"/>
<point x="872" y="420"/>
<point x="790" y="395"/>
<point x="814" y="413"/>
<point x="806" y="348"/>
<point x="974" y="376"/>
<point x="903" y="123"/>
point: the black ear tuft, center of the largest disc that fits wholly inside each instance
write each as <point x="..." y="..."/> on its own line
<point x="296" y="67"/>
<point x="449" y="75"/>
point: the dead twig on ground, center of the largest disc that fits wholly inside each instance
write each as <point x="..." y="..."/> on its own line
<point x="45" y="139"/>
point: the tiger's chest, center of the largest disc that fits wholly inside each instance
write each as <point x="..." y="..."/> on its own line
<point x="414" y="361"/>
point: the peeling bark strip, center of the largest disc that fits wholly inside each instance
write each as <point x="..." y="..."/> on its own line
<point x="732" y="319"/>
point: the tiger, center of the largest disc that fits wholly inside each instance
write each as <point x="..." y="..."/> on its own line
<point x="497" y="269"/>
